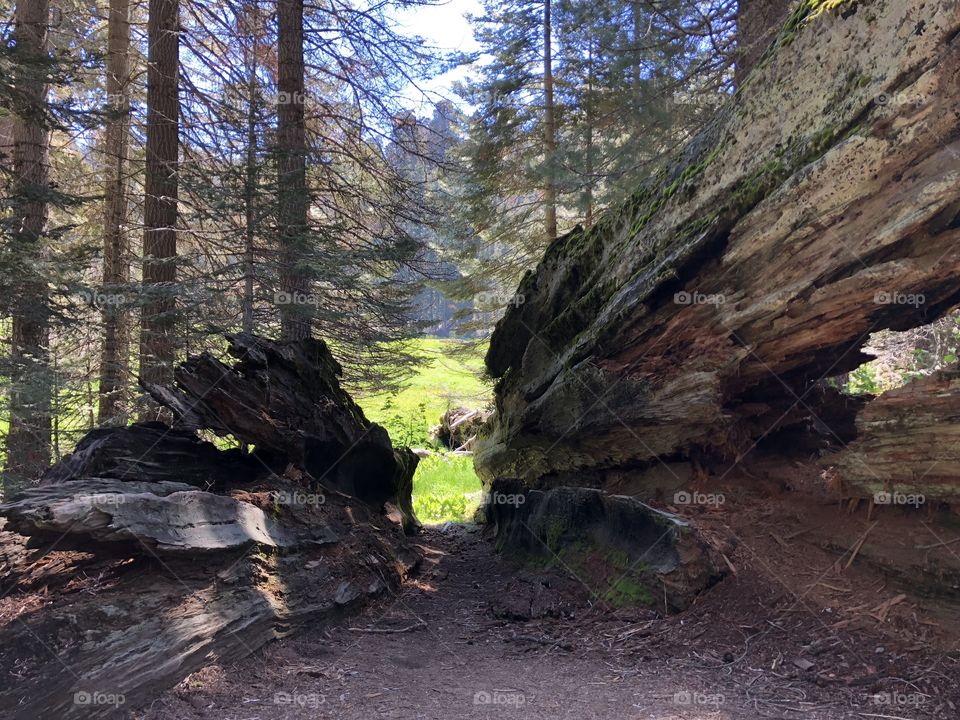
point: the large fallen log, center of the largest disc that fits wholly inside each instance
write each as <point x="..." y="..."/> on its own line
<point x="692" y="323"/>
<point x="197" y="553"/>
<point x="122" y="631"/>
<point x="907" y="450"/>
<point x="165" y="517"/>
<point x="285" y="399"/>
<point x="155" y="452"/>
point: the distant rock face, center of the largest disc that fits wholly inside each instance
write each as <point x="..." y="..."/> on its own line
<point x="823" y="203"/>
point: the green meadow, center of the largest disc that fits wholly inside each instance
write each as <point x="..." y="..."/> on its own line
<point x="445" y="488"/>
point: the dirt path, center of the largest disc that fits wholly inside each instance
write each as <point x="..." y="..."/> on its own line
<point x="474" y="637"/>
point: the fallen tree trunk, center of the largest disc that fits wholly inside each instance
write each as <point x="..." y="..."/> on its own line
<point x="122" y="631"/>
<point x="168" y="553"/>
<point x="907" y="450"/>
<point x="165" y="517"/>
<point x="285" y="399"/>
<point x="458" y="427"/>
<point x="688" y="325"/>
<point x="155" y="452"/>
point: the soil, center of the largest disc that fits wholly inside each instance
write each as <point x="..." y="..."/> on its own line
<point x="790" y="633"/>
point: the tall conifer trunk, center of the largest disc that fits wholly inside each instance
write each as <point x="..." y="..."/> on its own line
<point x="28" y="440"/>
<point x="114" y="359"/>
<point x="549" y="128"/>
<point x="158" y="343"/>
<point x="292" y="164"/>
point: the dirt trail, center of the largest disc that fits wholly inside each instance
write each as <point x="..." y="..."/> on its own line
<point x="474" y="637"/>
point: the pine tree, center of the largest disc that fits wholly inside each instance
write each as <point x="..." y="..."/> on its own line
<point x="158" y="343"/>
<point x="114" y="359"/>
<point x="575" y="104"/>
<point x="28" y="441"/>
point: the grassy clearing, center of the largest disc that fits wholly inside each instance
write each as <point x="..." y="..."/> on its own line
<point x="445" y="488"/>
<point x="451" y="376"/>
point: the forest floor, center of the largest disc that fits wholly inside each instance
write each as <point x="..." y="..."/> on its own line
<point x="790" y="634"/>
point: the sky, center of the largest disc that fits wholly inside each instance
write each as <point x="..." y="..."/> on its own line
<point x="445" y="27"/>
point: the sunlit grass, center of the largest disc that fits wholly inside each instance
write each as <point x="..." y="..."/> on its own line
<point x="446" y="489"/>
<point x="451" y="376"/>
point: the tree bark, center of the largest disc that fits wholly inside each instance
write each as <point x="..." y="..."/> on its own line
<point x="158" y="343"/>
<point x="250" y="209"/>
<point x="907" y="447"/>
<point x="115" y="360"/>
<point x="549" y="129"/>
<point x="252" y="32"/>
<point x="28" y="441"/>
<point x="758" y="22"/>
<point x="693" y="323"/>
<point x="588" y="159"/>
<point x="295" y="318"/>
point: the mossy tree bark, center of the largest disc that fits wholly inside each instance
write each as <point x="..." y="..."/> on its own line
<point x="694" y="321"/>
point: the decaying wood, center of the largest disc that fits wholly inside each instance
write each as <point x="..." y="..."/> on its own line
<point x="907" y="450"/>
<point x="199" y="552"/>
<point x="821" y="205"/>
<point x="165" y="517"/>
<point x="154" y="452"/>
<point x="155" y="621"/>
<point x="458" y="427"/>
<point x="285" y="399"/>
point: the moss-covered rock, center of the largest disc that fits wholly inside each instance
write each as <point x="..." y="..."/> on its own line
<point x="625" y="552"/>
